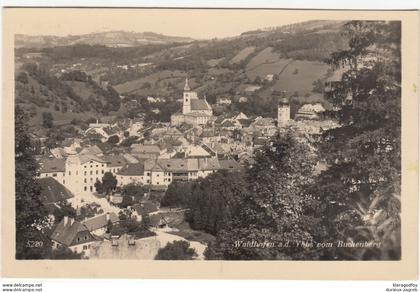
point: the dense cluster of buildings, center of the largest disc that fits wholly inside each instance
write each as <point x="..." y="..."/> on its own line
<point x="193" y="145"/>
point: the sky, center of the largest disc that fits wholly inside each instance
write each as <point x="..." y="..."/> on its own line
<point x="195" y="23"/>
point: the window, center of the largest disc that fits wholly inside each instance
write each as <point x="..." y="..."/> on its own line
<point x="69" y="172"/>
<point x="85" y="188"/>
<point x="85" y="172"/>
<point x="97" y="165"/>
<point x="85" y="247"/>
<point x="102" y="165"/>
<point x="102" y="171"/>
<point x="148" y="181"/>
<point x="85" y="166"/>
<point x="91" y="179"/>
<point x="91" y="188"/>
<point x="54" y="175"/>
<point x="64" y="181"/>
<point x="85" y="180"/>
<point x="77" y="172"/>
<point x="91" y="172"/>
<point x="169" y="180"/>
<point x="157" y="175"/>
<point x="96" y="172"/>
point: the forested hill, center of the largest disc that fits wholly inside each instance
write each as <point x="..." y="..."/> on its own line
<point x="287" y="59"/>
<point x="72" y="95"/>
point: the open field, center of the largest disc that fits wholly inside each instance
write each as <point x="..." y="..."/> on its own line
<point x="135" y="85"/>
<point x="242" y="55"/>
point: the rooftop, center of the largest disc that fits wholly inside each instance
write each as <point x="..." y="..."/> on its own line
<point x="199" y="104"/>
<point x="115" y="160"/>
<point x="132" y="169"/>
<point x="52" y="165"/>
<point x="100" y="221"/>
<point x="67" y="230"/>
<point x="52" y="191"/>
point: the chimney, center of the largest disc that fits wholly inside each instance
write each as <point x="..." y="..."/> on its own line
<point x="71" y="221"/>
<point x="107" y="217"/>
<point x="66" y="219"/>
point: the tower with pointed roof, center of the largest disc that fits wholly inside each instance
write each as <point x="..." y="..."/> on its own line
<point x="188" y="96"/>
<point x="186" y="105"/>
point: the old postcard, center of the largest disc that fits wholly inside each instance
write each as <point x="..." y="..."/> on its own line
<point x="210" y="143"/>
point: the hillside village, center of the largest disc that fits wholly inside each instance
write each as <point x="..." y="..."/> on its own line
<point x="192" y="146"/>
<point x="130" y="142"/>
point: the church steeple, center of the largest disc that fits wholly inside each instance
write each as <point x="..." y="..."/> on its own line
<point x="186" y="87"/>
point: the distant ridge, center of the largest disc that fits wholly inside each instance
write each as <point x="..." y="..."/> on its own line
<point x="107" y="38"/>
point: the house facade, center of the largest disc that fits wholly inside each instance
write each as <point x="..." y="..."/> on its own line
<point x="73" y="235"/>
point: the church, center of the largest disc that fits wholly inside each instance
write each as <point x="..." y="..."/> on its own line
<point x="195" y="111"/>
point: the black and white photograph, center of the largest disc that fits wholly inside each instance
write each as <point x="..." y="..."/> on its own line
<point x="212" y="139"/>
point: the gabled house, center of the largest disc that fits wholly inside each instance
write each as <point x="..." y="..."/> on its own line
<point x="132" y="173"/>
<point x="54" y="168"/>
<point x="73" y="235"/>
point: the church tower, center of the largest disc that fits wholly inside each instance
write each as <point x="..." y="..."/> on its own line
<point x="283" y="113"/>
<point x="186" y="104"/>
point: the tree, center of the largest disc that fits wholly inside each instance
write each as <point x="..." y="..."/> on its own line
<point x="146" y="223"/>
<point x="109" y="226"/>
<point x="177" y="194"/>
<point x="114" y="139"/>
<point x="108" y="184"/>
<point x="361" y="187"/>
<point x="318" y="86"/>
<point x="31" y="215"/>
<point x="126" y="202"/>
<point x="136" y="191"/>
<point x="47" y="120"/>
<point x="213" y="201"/>
<point x="64" y="253"/>
<point x="22" y="77"/>
<point x="274" y="207"/>
<point x="177" y="250"/>
<point x="63" y="209"/>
